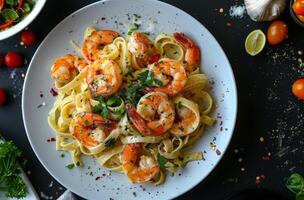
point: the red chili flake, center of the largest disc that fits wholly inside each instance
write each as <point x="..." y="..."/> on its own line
<point x="265" y="158"/>
<point x="263" y="176"/>
<point x="154" y="59"/>
<point x="97" y="178"/>
<point x="52" y="139"/>
<point x="218" y="152"/>
<point x="229" y="24"/>
<point x="53" y="92"/>
<point x="103" y="18"/>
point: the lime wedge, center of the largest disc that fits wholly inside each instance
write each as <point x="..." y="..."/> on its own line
<point x="255" y="42"/>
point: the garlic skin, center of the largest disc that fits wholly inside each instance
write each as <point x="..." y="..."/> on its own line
<point x="264" y="10"/>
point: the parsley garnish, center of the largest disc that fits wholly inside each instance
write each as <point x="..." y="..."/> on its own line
<point x="110" y="142"/>
<point x="179" y="105"/>
<point x="295" y="184"/>
<point x="161" y="160"/>
<point x="70" y="166"/>
<point x="102" y="108"/>
<point x="11" y="183"/>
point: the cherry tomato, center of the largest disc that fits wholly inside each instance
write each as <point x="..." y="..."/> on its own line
<point x="298" y="88"/>
<point x="13" y="59"/>
<point x="28" y="38"/>
<point x="298" y="7"/>
<point x="277" y="32"/>
<point x="2" y="96"/>
<point x="1" y="60"/>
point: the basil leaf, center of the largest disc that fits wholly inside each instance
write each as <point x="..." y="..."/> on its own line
<point x="114" y="101"/>
<point x="12" y="2"/>
<point x="161" y="160"/>
<point x="110" y="142"/>
<point x="9" y="14"/>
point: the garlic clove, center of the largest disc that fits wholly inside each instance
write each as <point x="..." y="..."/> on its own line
<point x="264" y="10"/>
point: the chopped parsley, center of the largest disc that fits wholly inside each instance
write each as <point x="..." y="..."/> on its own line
<point x="161" y="160"/>
<point x="132" y="28"/>
<point x="103" y="107"/>
<point x="179" y="105"/>
<point x="70" y="166"/>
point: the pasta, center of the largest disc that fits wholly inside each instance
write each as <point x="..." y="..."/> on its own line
<point x="136" y="100"/>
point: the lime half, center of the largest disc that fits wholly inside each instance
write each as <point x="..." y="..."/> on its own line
<point x="255" y="42"/>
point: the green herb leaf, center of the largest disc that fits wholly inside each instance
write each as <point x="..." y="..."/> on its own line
<point x="86" y="123"/>
<point x="161" y="160"/>
<point x="114" y="101"/>
<point x="158" y="82"/>
<point x="179" y="105"/>
<point x="110" y="142"/>
<point x="9" y="14"/>
<point x="26" y="7"/>
<point x="105" y="112"/>
<point x="70" y="166"/>
<point x="100" y="99"/>
<point x="10" y="182"/>
<point x="12" y="2"/>
<point x="295" y="184"/>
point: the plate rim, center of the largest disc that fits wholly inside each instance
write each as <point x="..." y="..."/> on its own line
<point x="161" y="3"/>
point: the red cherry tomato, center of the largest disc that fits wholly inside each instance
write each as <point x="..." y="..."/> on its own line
<point x="13" y="59"/>
<point x="298" y="88"/>
<point x="1" y="60"/>
<point x="2" y="96"/>
<point x="298" y="7"/>
<point x="28" y="38"/>
<point x="277" y="32"/>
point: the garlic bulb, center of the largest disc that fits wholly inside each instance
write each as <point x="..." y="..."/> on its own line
<point x="264" y="10"/>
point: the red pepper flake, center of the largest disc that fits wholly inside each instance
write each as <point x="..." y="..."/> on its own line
<point x="97" y="178"/>
<point x="52" y="139"/>
<point x="229" y="24"/>
<point x="265" y="158"/>
<point x="103" y="18"/>
<point x="53" y="92"/>
<point x="218" y="152"/>
<point x="154" y="59"/>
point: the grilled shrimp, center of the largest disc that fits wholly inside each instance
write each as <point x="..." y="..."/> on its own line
<point x="104" y="77"/>
<point x="91" y="129"/>
<point x="154" y="114"/>
<point x="171" y="73"/>
<point x="192" y="55"/>
<point x="138" y="168"/>
<point x="66" y="68"/>
<point x="142" y="48"/>
<point x="93" y="43"/>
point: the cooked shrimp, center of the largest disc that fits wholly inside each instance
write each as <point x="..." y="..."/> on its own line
<point x="154" y="115"/>
<point x="104" y="77"/>
<point x="94" y="42"/>
<point x="66" y="68"/>
<point x="142" y="48"/>
<point x="139" y="168"/>
<point x="171" y="73"/>
<point x="192" y="55"/>
<point x="91" y="129"/>
<point x="187" y="120"/>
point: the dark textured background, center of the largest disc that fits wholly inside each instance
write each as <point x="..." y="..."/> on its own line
<point x="267" y="107"/>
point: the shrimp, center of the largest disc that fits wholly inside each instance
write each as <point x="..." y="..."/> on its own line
<point x="91" y="129"/>
<point x="139" y="168"/>
<point x="171" y="73"/>
<point x="142" y="48"/>
<point x="66" y="68"/>
<point x="93" y="43"/>
<point x="187" y="120"/>
<point x="192" y="55"/>
<point x="104" y="77"/>
<point x="154" y="114"/>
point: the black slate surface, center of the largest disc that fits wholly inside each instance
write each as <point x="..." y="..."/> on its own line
<point x="267" y="107"/>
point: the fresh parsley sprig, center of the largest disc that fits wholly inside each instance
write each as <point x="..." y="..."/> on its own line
<point x="295" y="184"/>
<point x="103" y="107"/>
<point x="11" y="183"/>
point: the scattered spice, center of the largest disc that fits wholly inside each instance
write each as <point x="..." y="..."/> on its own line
<point x="52" y="139"/>
<point x="97" y="178"/>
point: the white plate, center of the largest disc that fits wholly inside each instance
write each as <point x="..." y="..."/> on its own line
<point x="25" y="22"/>
<point x="170" y="19"/>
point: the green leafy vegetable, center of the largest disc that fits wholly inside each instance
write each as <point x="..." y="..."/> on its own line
<point x="10" y="181"/>
<point x="9" y="14"/>
<point x="161" y="160"/>
<point x="295" y="184"/>
<point x="26" y="7"/>
<point x="70" y="166"/>
<point x="12" y="2"/>
<point x="110" y="142"/>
